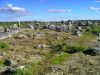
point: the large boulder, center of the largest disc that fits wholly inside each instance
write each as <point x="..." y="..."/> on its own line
<point x="1" y="29"/>
<point x="98" y="37"/>
<point x="79" y="33"/>
<point x="7" y="30"/>
<point x="52" y="27"/>
<point x="30" y="26"/>
<point x="9" y="71"/>
<point x="70" y="26"/>
<point x="64" y="28"/>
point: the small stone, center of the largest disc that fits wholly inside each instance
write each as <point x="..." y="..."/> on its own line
<point x="8" y="62"/>
<point x="21" y="67"/>
<point x="21" y="36"/>
<point x="42" y="46"/>
<point x="69" y="37"/>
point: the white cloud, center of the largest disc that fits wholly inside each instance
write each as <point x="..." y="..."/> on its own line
<point x="9" y="8"/>
<point x="97" y="1"/>
<point x="10" y="12"/>
<point x="96" y="9"/>
<point x="58" y="11"/>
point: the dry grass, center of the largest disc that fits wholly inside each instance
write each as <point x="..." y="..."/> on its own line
<point x="26" y="50"/>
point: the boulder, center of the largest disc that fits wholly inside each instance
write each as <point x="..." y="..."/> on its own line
<point x="7" y="30"/>
<point x="64" y="28"/>
<point x="92" y="51"/>
<point x="1" y="29"/>
<point x="78" y="33"/>
<point x="42" y="46"/>
<point x="15" y="26"/>
<point x="9" y="71"/>
<point x="30" y="26"/>
<point x="21" y="67"/>
<point x="98" y="37"/>
<point x="52" y="27"/>
<point x="21" y="36"/>
<point x="39" y="35"/>
<point x="1" y="55"/>
<point x="8" y="62"/>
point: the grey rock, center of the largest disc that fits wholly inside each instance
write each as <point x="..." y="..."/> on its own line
<point x="92" y="51"/>
<point x="15" y="26"/>
<point x="52" y="27"/>
<point x="64" y="28"/>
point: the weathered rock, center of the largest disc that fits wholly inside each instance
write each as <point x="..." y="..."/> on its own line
<point x="1" y="29"/>
<point x="21" y="36"/>
<point x="21" y="67"/>
<point x="78" y="33"/>
<point x="1" y="55"/>
<point x="9" y="71"/>
<point x="30" y="26"/>
<point x="7" y="30"/>
<point x="98" y="37"/>
<point x="52" y="27"/>
<point x="70" y="26"/>
<point x="15" y="26"/>
<point x="42" y="46"/>
<point x="38" y="35"/>
<point x="92" y="51"/>
<point x="64" y="28"/>
<point x="8" y="62"/>
<point x="29" y="35"/>
<point x="37" y="26"/>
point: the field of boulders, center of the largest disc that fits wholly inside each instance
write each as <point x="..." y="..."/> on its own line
<point x="51" y="52"/>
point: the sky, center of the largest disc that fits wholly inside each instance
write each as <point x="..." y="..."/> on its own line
<point x="49" y="10"/>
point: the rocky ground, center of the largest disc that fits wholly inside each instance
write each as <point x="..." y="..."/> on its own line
<point x="32" y="54"/>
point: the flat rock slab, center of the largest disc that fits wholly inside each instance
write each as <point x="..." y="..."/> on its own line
<point x="4" y="35"/>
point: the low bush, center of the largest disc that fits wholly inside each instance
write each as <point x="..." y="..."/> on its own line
<point x="64" y="47"/>
<point x="76" y="48"/>
<point x="59" y="46"/>
<point x="3" y="45"/>
<point x="30" y="69"/>
<point x="60" y="58"/>
<point x="95" y="30"/>
<point x="1" y="62"/>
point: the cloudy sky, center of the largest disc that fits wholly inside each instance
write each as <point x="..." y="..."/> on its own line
<point x="47" y="10"/>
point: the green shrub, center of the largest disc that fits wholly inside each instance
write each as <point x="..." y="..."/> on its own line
<point x="59" y="59"/>
<point x="3" y="45"/>
<point x="76" y="48"/>
<point x="62" y="46"/>
<point x="1" y="62"/>
<point x="95" y="30"/>
<point x="30" y="69"/>
<point x="59" y="46"/>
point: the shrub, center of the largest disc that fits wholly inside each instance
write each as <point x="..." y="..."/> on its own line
<point x="30" y="69"/>
<point x="59" y="46"/>
<point x="95" y="30"/>
<point x="3" y="45"/>
<point x="1" y="62"/>
<point x="76" y="48"/>
<point x="62" y="46"/>
<point x="59" y="59"/>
